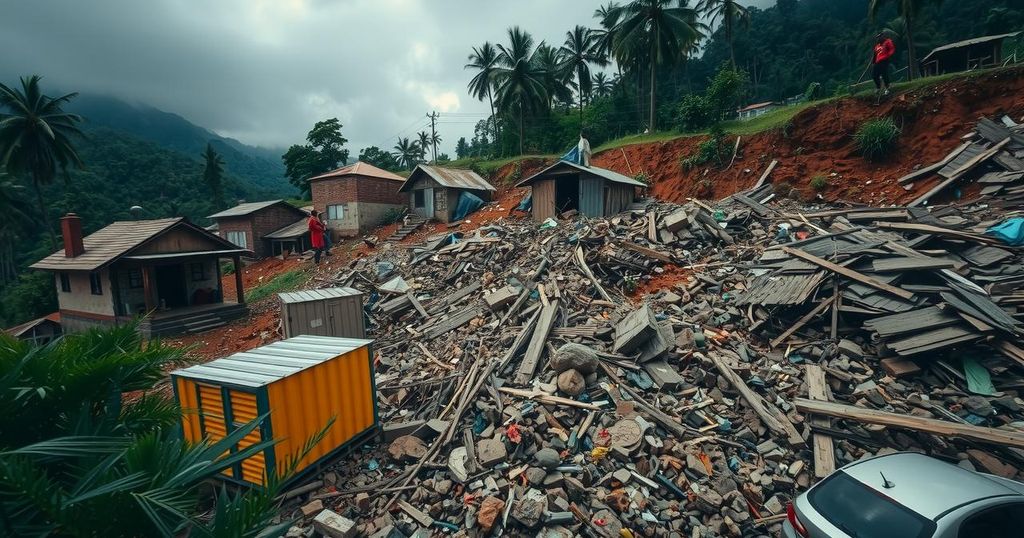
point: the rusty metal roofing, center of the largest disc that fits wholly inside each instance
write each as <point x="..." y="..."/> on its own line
<point x="969" y="42"/>
<point x="602" y="173"/>
<point x="457" y="178"/>
<point x="359" y="169"/>
<point x="119" y="238"/>
<point x="272" y="362"/>
<point x="249" y="208"/>
<point x="291" y="231"/>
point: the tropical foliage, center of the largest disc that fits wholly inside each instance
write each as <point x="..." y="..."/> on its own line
<point x="323" y="151"/>
<point x="213" y="175"/>
<point x="90" y="450"/>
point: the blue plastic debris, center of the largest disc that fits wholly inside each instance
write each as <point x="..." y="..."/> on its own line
<point x="479" y="423"/>
<point x="734" y="464"/>
<point x="373" y="465"/>
<point x="1010" y="231"/>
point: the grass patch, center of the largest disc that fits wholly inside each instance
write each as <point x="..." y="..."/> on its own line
<point x="819" y="182"/>
<point x="876" y="138"/>
<point x="299" y="202"/>
<point x="286" y="281"/>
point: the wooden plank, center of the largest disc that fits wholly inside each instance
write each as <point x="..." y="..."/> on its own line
<point x="528" y="367"/>
<point x="850" y="273"/>
<point x="635" y="329"/>
<point x="935" y="167"/>
<point x="650" y="253"/>
<point x="582" y="261"/>
<point x="764" y="176"/>
<point x="897" y="265"/>
<point x="967" y="167"/>
<point x="773" y="418"/>
<point x="825" y="303"/>
<point x="420" y="517"/>
<point x="824" y="450"/>
<point x="936" y="230"/>
<point x="905" y="421"/>
<point x="665" y="376"/>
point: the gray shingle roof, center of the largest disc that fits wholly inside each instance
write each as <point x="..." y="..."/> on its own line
<point x="449" y="177"/>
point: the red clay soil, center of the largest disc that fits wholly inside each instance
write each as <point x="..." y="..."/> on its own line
<point x="257" y="273"/>
<point x="819" y="141"/>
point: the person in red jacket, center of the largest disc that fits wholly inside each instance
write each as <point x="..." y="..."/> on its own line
<point x="882" y="56"/>
<point x="316" y="235"/>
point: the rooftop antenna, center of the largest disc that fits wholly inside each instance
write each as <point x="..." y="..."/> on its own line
<point x="885" y="482"/>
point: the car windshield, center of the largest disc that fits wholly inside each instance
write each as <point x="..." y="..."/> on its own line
<point x="862" y="512"/>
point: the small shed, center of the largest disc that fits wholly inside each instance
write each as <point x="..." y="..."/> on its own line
<point x="323" y="312"/>
<point x="291" y="238"/>
<point x="755" y="110"/>
<point x="301" y="384"/>
<point x="38" y="331"/>
<point x="593" y="191"/>
<point x="248" y="224"/>
<point x="976" y="53"/>
<point x="435" y="191"/>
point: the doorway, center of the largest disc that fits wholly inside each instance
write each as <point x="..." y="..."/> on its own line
<point x="170" y="286"/>
<point x="567" y="193"/>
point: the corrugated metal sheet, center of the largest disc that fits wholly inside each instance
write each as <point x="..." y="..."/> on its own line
<point x="359" y="169"/>
<point x="317" y="294"/>
<point x="293" y="230"/>
<point x="272" y="362"/>
<point x="592" y="170"/>
<point x="324" y="312"/>
<point x="619" y="197"/>
<point x="592" y="196"/>
<point x="968" y="42"/>
<point x="117" y="239"/>
<point x="247" y="208"/>
<point x="448" y="177"/>
<point x="543" y="199"/>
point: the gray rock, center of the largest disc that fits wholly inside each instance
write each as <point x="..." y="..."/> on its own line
<point x="548" y="458"/>
<point x="575" y="356"/>
<point x="978" y="405"/>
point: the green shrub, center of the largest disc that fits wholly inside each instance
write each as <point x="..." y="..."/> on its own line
<point x="693" y="113"/>
<point x="726" y="91"/>
<point x="713" y="149"/>
<point x="877" y="138"/>
<point x="642" y="177"/>
<point x="819" y="182"/>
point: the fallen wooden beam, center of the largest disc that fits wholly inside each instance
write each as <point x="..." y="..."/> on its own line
<point x="528" y="367"/>
<point x="927" y="425"/>
<point x="581" y="260"/>
<point x="650" y="253"/>
<point x="928" y="170"/>
<point x="775" y="419"/>
<point x="825" y="303"/>
<point x="545" y="398"/>
<point x="824" y="451"/>
<point x="849" y="273"/>
<point x="967" y="167"/>
<point x="764" y="176"/>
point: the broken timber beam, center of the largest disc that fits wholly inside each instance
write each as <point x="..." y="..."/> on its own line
<point x="927" y="425"/>
<point x="824" y="451"/>
<point x="776" y="420"/>
<point x="767" y="172"/>
<point x="528" y="367"/>
<point x="650" y="253"/>
<point x="581" y="260"/>
<point x="825" y="303"/>
<point x="967" y="167"/>
<point x="849" y="273"/>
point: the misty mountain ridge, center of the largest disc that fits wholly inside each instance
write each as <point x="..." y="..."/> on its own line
<point x="260" y="166"/>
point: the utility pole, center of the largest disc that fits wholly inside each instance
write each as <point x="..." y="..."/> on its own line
<point x="433" y="132"/>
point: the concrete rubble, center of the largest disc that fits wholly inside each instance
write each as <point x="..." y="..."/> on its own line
<point x="649" y="374"/>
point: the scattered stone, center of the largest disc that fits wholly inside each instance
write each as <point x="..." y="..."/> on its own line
<point x="576" y="357"/>
<point x="312" y="508"/>
<point x="490" y="452"/>
<point x="333" y="525"/>
<point x="571" y="382"/>
<point x="407" y="448"/>
<point x="490" y="510"/>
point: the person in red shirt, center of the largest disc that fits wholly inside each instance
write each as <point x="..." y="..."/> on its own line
<point x="881" y="57"/>
<point x="316" y="235"/>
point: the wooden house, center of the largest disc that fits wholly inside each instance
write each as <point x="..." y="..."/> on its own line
<point x="357" y="197"/>
<point x="434" y="191"/>
<point x="593" y="191"/>
<point x="168" y="268"/>
<point x="248" y="225"/>
<point x="976" y="53"/>
<point x="38" y="331"/>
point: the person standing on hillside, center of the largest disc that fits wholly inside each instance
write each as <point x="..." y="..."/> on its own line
<point x="327" y="236"/>
<point x="316" y="235"/>
<point x="881" y="57"/>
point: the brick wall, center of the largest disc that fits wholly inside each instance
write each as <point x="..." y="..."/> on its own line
<point x="258" y="224"/>
<point x="353" y="190"/>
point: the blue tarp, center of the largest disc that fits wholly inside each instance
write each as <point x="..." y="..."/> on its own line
<point x="573" y="155"/>
<point x="467" y="204"/>
<point x="526" y="203"/>
<point x="1010" y="231"/>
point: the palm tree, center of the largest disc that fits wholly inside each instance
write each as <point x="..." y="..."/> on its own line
<point x="35" y="137"/>
<point x="557" y="80"/>
<point x="664" y="31"/>
<point x="603" y="86"/>
<point x="435" y="139"/>
<point x="13" y="220"/>
<point x="729" y="12"/>
<point x="407" y="152"/>
<point x="484" y="59"/>
<point x="608" y="17"/>
<point x="213" y="175"/>
<point x="423" y="142"/>
<point x="581" y="49"/>
<point x="908" y="11"/>
<point x="520" y="81"/>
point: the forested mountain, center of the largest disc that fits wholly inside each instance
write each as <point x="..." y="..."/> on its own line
<point x="260" y="167"/>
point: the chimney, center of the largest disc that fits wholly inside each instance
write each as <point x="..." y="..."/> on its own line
<point x="71" y="229"/>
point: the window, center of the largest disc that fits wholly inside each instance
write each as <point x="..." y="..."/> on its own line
<point x="198" y="272"/>
<point x="1000" y="522"/>
<point x="135" y="279"/>
<point x="861" y="511"/>
<point x="95" y="284"/>
<point x="238" y="238"/>
<point x="336" y="212"/>
<point x="65" y="283"/>
<point x="419" y="198"/>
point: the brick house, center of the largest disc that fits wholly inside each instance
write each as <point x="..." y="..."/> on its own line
<point x="357" y="197"/>
<point x="433" y="192"/>
<point x="247" y="225"/>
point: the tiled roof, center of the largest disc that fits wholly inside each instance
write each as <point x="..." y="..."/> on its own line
<point x="248" y="208"/>
<point x="449" y="177"/>
<point x="359" y="169"/>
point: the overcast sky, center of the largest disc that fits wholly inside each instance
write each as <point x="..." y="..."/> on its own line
<point x="263" y="71"/>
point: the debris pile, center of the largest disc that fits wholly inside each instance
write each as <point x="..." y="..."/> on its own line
<point x="528" y="388"/>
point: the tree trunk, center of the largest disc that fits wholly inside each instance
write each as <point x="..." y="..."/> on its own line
<point x="639" y="99"/>
<point x="651" y="125"/>
<point x="579" y="79"/>
<point x="494" y="120"/>
<point x="911" y="56"/>
<point x="42" y="211"/>
<point x="520" y="126"/>
<point x="732" y="46"/>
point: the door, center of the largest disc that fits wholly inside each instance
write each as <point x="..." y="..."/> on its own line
<point x="428" y="203"/>
<point x="170" y="286"/>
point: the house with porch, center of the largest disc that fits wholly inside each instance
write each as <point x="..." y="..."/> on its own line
<point x="247" y="225"/>
<point x="591" y="190"/>
<point x="436" y="192"/>
<point x="169" y="269"/>
<point x="357" y="197"/>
